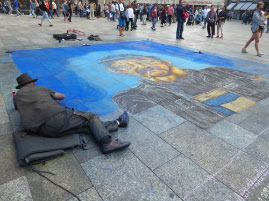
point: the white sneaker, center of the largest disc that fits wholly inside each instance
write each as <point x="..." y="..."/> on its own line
<point x="259" y="54"/>
<point x="244" y="50"/>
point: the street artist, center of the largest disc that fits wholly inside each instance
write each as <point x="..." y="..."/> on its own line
<point x="42" y="115"/>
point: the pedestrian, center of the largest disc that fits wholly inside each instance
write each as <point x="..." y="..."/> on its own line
<point x="16" y="6"/>
<point x="145" y="13"/>
<point x="154" y="15"/>
<point x="211" y="19"/>
<point x="43" y="7"/>
<point x="92" y="9"/>
<point x="2" y="7"/>
<point x="130" y="13"/>
<point x="163" y="16"/>
<point x="32" y="8"/>
<point x="220" y="22"/>
<point x="81" y="9"/>
<point x="120" y="9"/>
<point x="182" y="15"/>
<point x="65" y="10"/>
<point x="205" y="12"/>
<point x="267" y="16"/>
<point x="136" y="13"/>
<point x="54" y="9"/>
<point x="113" y="11"/>
<point x="37" y="8"/>
<point x="7" y="2"/>
<point x="70" y="10"/>
<point x="170" y="14"/>
<point x="256" y="28"/>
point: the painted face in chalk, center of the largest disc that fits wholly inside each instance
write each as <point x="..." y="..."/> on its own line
<point x="149" y="68"/>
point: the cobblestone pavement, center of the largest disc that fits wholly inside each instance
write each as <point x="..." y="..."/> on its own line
<point x="168" y="159"/>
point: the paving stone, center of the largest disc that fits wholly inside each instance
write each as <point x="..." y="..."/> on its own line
<point x="214" y="190"/>
<point x="67" y="172"/>
<point x="259" y="148"/>
<point x="94" y="150"/>
<point x="3" y="115"/>
<point x="242" y="173"/>
<point x="260" y="190"/>
<point x="175" y="172"/>
<point x="16" y="190"/>
<point x="206" y="150"/>
<point x="186" y="137"/>
<point x="265" y="101"/>
<point x="88" y="195"/>
<point x="259" y="109"/>
<point x="121" y="176"/>
<point x="149" y="148"/>
<point x="232" y="133"/>
<point x="237" y="118"/>
<point x="10" y="168"/>
<point x="255" y="123"/>
<point x="158" y="119"/>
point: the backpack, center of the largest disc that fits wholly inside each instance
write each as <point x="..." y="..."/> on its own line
<point x="185" y="15"/>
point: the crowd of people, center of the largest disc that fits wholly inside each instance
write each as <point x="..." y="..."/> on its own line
<point x="128" y="15"/>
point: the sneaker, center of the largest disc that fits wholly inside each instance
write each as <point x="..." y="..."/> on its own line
<point x="208" y="36"/>
<point x="181" y="38"/>
<point x="123" y="120"/>
<point x="259" y="54"/>
<point x="221" y="37"/>
<point x="51" y="25"/>
<point x="244" y="50"/>
<point x="114" y="145"/>
<point x="40" y="24"/>
<point x="217" y="36"/>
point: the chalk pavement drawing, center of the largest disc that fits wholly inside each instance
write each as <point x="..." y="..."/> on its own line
<point x="136" y="76"/>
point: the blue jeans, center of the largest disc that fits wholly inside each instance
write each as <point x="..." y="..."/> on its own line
<point x="204" y="23"/>
<point x="81" y="13"/>
<point x="268" y="24"/>
<point x="180" y="26"/>
<point x="154" y="20"/>
<point x="45" y="16"/>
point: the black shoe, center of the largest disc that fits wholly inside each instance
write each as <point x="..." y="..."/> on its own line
<point x="40" y="24"/>
<point x="181" y="38"/>
<point x="123" y="120"/>
<point x="114" y="145"/>
<point x="208" y="36"/>
<point x="212" y="37"/>
<point x="113" y="127"/>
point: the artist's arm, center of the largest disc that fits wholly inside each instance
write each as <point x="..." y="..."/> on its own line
<point x="59" y="96"/>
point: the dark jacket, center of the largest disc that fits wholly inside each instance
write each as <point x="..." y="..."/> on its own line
<point x="179" y="13"/>
<point x="222" y="16"/>
<point x="36" y="105"/>
<point x="211" y="17"/>
<point x="43" y="7"/>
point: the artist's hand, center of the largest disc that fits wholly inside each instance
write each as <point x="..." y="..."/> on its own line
<point x="59" y="96"/>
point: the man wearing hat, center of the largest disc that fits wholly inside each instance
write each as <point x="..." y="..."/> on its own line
<point x="42" y="115"/>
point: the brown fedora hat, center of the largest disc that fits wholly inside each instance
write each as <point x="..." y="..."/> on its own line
<point x="24" y="79"/>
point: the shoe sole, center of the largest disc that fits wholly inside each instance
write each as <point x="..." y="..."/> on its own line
<point x="117" y="149"/>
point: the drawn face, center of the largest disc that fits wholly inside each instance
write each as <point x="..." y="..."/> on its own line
<point x="149" y="68"/>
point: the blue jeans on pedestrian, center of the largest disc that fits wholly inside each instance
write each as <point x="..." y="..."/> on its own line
<point x="180" y="26"/>
<point x="81" y="13"/>
<point x="154" y="20"/>
<point x="45" y="16"/>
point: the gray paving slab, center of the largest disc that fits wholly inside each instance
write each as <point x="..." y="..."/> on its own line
<point x="241" y="173"/>
<point x="16" y="190"/>
<point x="176" y="172"/>
<point x="88" y="195"/>
<point x="204" y="149"/>
<point x="67" y="172"/>
<point x="10" y="168"/>
<point x="255" y="123"/>
<point x="237" y="118"/>
<point x="265" y="101"/>
<point x="157" y="123"/>
<point x="214" y="190"/>
<point x="232" y="133"/>
<point x="259" y="190"/>
<point x="121" y="176"/>
<point x="259" y="148"/>
<point x="148" y="147"/>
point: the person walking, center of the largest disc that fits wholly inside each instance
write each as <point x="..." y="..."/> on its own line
<point x="256" y="28"/>
<point x="163" y="16"/>
<point x="92" y="9"/>
<point x="181" y="15"/>
<point x="267" y="16"/>
<point x="154" y="15"/>
<point x="81" y="9"/>
<point x="54" y="9"/>
<point x="32" y="8"/>
<point x="205" y="12"/>
<point x="170" y="14"/>
<point x="120" y="9"/>
<point x="220" y="22"/>
<point x="211" y="19"/>
<point x="113" y="11"/>
<point x="70" y="10"/>
<point x="145" y="13"/>
<point x="7" y="2"/>
<point x="43" y="7"/>
<point x="16" y="6"/>
<point x="130" y="14"/>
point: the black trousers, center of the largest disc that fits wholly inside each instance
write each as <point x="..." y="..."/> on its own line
<point x="211" y="29"/>
<point x="170" y="19"/>
<point x="69" y="122"/>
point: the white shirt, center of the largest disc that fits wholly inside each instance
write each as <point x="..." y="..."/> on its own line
<point x="113" y="8"/>
<point x="130" y="12"/>
<point x="121" y="7"/>
<point x="205" y="11"/>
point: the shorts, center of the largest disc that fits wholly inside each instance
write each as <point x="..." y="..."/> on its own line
<point x="121" y="22"/>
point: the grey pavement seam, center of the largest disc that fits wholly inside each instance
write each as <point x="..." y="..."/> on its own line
<point x="226" y="165"/>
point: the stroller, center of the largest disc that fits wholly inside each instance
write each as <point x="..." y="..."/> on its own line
<point x="190" y="20"/>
